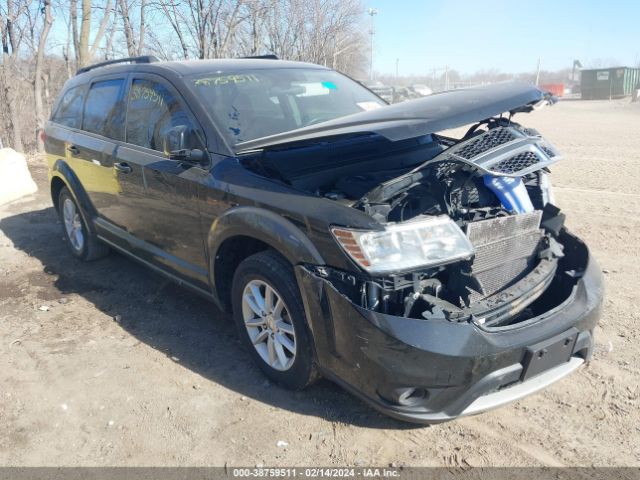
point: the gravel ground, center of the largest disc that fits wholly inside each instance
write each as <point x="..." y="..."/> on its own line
<point x="108" y="364"/>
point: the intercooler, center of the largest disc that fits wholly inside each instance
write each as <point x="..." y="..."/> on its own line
<point x="506" y="250"/>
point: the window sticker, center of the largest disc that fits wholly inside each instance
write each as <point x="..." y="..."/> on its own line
<point x="143" y="92"/>
<point x="329" y="85"/>
<point x="366" y="106"/>
<point x="312" y="89"/>
<point x="226" y="79"/>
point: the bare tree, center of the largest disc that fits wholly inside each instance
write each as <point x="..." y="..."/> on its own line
<point x="84" y="47"/>
<point x="205" y="28"/>
<point x="320" y="31"/>
<point x="36" y="58"/>
<point x="172" y="10"/>
<point x="66" y="49"/>
<point x="11" y="33"/>
<point x="251" y="34"/>
<point x="47" y="21"/>
<point x="135" y="41"/>
<point x="285" y="28"/>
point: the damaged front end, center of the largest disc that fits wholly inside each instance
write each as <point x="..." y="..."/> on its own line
<point x="444" y="362"/>
<point x="464" y="335"/>
<point x="463" y="290"/>
<point x="493" y="186"/>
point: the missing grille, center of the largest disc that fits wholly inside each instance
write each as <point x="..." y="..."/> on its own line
<point x="505" y="247"/>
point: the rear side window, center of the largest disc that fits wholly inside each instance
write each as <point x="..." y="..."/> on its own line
<point x="69" y="112"/>
<point x="103" y="110"/>
<point x="152" y="111"/>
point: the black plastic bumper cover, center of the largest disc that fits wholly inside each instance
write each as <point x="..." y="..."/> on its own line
<point x="463" y="368"/>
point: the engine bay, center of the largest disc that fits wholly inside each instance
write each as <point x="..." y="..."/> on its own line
<point x="493" y="183"/>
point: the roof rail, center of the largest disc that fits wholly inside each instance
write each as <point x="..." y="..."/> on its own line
<point x="143" y="59"/>
<point x="261" y="57"/>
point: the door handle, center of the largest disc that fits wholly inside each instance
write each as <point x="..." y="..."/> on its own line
<point x="122" y="167"/>
<point x="73" y="149"/>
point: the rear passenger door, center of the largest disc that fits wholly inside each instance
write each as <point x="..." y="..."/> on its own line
<point x="94" y="148"/>
<point x="166" y="209"/>
<point x="93" y="117"/>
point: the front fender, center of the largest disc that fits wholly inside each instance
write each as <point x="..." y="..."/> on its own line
<point x="267" y="226"/>
<point x="264" y="225"/>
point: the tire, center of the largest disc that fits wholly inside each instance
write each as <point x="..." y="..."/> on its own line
<point x="83" y="244"/>
<point x="286" y="325"/>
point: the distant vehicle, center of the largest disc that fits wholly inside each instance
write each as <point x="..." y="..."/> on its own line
<point x="557" y="89"/>
<point x="431" y="276"/>
<point x="381" y="90"/>
<point x="402" y="94"/>
<point x="421" y="90"/>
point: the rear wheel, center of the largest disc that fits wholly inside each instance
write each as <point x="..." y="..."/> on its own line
<point x="268" y="312"/>
<point x="81" y="242"/>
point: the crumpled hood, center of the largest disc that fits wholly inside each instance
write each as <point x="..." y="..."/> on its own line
<point x="419" y="117"/>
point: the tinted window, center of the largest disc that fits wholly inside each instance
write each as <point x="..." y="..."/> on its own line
<point x="69" y="112"/>
<point x="152" y="112"/>
<point x="253" y="104"/>
<point x="103" y="113"/>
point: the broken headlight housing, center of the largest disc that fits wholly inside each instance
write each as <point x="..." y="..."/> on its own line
<point x="423" y="243"/>
<point x="545" y="187"/>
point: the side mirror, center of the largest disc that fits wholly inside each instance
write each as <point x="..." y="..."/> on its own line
<point x="177" y="143"/>
<point x="194" y="156"/>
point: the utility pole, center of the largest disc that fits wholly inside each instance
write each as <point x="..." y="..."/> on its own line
<point x="538" y="73"/>
<point x="371" y="12"/>
<point x="397" y="62"/>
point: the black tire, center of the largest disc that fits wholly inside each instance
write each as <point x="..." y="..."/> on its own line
<point x="91" y="248"/>
<point x="273" y="269"/>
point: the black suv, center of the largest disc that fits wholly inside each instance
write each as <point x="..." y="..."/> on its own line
<point x="432" y="276"/>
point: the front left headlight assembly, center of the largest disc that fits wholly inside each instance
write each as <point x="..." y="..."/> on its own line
<point x="423" y="243"/>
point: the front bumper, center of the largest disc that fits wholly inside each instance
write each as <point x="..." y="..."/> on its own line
<point x="461" y="368"/>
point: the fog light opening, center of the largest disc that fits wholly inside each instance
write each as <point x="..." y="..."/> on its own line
<point x="411" y="396"/>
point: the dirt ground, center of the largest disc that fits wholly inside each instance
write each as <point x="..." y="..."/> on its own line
<point x="108" y="364"/>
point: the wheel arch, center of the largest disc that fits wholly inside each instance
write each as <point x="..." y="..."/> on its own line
<point x="63" y="176"/>
<point x="57" y="184"/>
<point x="243" y="231"/>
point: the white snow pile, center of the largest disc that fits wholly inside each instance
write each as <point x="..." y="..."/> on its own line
<point x="15" y="179"/>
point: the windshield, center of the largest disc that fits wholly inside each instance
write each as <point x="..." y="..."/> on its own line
<point x="252" y="104"/>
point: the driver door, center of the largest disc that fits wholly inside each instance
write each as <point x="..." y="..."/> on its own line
<point x="164" y="224"/>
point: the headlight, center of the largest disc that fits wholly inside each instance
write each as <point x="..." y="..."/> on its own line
<point x="423" y="243"/>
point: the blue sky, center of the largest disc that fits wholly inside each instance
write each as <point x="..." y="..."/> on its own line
<point x="509" y="36"/>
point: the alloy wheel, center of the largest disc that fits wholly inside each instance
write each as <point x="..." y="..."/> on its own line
<point x="269" y="325"/>
<point x="73" y="224"/>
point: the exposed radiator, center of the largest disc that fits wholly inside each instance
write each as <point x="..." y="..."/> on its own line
<point x="506" y="249"/>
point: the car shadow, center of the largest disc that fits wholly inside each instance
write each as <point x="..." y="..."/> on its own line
<point x="185" y="327"/>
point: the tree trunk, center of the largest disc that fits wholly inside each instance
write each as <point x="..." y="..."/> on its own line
<point x="73" y="6"/>
<point x="101" y="29"/>
<point x="9" y="53"/>
<point x="85" y="31"/>
<point x="109" y="52"/>
<point x="12" y="108"/>
<point x="37" y="83"/>
<point x="128" y="30"/>
<point x="142" y="27"/>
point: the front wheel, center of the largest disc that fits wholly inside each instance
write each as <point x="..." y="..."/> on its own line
<point x="268" y="311"/>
